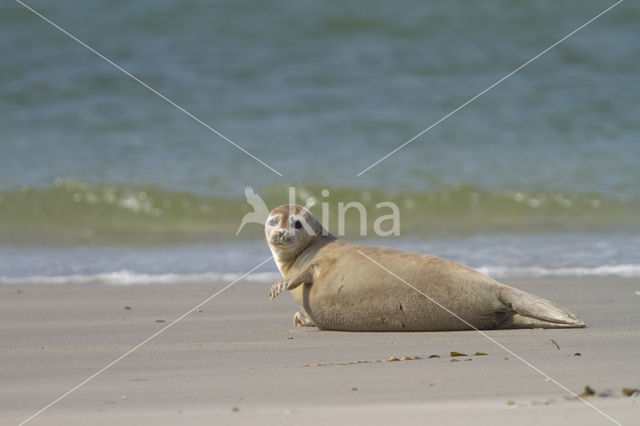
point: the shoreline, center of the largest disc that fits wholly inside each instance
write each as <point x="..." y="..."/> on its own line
<point x="240" y="351"/>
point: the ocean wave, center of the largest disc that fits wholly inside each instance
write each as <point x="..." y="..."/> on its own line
<point x="77" y="212"/>
<point x="125" y="277"/>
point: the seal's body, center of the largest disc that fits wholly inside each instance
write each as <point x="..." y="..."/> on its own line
<point x="345" y="286"/>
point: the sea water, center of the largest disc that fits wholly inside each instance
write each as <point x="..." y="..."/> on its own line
<point x="102" y="180"/>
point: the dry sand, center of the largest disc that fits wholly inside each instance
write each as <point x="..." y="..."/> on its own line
<point x="239" y="362"/>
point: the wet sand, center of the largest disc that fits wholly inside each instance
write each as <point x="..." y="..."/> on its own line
<point x="238" y="361"/>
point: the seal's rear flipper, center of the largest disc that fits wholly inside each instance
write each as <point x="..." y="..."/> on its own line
<point x="523" y="321"/>
<point x="531" y="311"/>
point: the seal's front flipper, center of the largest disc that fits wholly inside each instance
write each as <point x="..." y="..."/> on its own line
<point x="277" y="288"/>
<point x="305" y="276"/>
<point x="531" y="311"/>
<point x="301" y="319"/>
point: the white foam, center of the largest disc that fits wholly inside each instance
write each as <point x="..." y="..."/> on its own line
<point x="628" y="270"/>
<point x="125" y="277"/>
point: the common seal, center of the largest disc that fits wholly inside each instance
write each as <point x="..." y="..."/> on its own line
<point x="344" y="286"/>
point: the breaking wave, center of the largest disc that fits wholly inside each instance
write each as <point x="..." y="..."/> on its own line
<point x="76" y="212"/>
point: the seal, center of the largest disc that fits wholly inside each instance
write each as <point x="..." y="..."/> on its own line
<point x="344" y="286"/>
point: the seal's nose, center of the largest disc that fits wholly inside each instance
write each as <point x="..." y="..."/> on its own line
<point x="281" y="234"/>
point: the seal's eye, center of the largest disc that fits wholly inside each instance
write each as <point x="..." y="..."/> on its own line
<point x="298" y="224"/>
<point x="273" y="222"/>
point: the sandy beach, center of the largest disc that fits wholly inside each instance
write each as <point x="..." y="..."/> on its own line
<point x="238" y="361"/>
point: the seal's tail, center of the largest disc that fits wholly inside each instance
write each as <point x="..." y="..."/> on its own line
<point x="529" y="311"/>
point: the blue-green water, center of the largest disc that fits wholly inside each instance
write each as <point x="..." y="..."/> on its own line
<point x="318" y="91"/>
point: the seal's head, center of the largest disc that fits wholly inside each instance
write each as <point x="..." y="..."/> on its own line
<point x="289" y="230"/>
